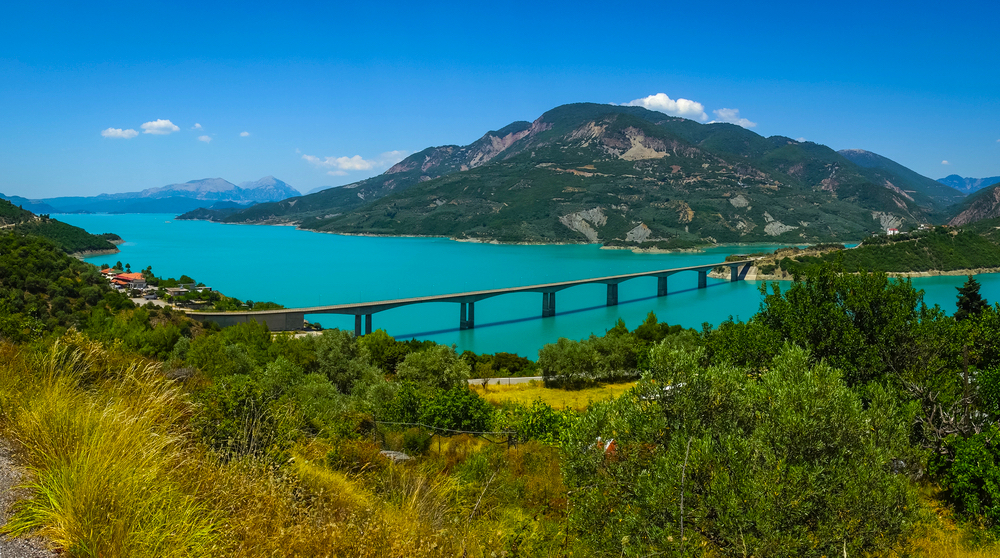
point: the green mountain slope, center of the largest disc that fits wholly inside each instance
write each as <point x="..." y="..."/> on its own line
<point x="928" y="193"/>
<point x="69" y="238"/>
<point x="618" y="175"/>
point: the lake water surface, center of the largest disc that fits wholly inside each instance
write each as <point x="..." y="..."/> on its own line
<point x="300" y="268"/>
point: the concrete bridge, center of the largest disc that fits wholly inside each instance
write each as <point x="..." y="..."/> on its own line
<point x="291" y="319"/>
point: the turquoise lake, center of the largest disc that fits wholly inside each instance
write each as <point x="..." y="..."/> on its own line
<point x="300" y="268"/>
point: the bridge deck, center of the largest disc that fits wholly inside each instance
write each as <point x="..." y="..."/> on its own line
<point x="365" y="308"/>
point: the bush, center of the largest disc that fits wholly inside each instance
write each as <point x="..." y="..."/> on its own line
<point x="790" y="464"/>
<point x="416" y="441"/>
<point x="458" y="408"/>
<point x="973" y="477"/>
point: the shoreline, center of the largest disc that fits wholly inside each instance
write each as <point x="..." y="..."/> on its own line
<point x="753" y="275"/>
<point x="90" y="253"/>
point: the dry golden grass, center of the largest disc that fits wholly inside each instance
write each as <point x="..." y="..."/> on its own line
<point x="940" y="536"/>
<point x="556" y="398"/>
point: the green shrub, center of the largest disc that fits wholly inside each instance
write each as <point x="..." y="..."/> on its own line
<point x="973" y="477"/>
<point x="416" y="441"/>
<point x="458" y="408"/>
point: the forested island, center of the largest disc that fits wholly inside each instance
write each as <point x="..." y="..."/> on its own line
<point x="845" y="417"/>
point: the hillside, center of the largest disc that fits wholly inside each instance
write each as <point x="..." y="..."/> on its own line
<point x="984" y="204"/>
<point x="928" y="193"/>
<point x="616" y="175"/>
<point x="67" y="237"/>
<point x="968" y="185"/>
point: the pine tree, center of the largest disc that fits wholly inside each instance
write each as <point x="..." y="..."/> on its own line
<point x="970" y="302"/>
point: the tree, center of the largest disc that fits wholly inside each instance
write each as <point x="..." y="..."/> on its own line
<point x="342" y="359"/>
<point x="860" y="323"/>
<point x="970" y="302"/>
<point x="437" y="367"/>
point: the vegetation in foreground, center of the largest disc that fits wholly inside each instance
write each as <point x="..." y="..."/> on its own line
<point x="846" y="416"/>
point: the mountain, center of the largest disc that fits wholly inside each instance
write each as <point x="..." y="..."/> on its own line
<point x="984" y="204"/>
<point x="927" y="192"/>
<point x="266" y="189"/>
<point x="968" y="185"/>
<point x="428" y="164"/>
<point x="621" y="176"/>
<point x="175" y="198"/>
<point x="73" y="240"/>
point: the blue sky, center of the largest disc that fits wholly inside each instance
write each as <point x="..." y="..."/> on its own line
<point x="327" y="93"/>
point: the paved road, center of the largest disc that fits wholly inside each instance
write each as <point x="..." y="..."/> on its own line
<point x="505" y="381"/>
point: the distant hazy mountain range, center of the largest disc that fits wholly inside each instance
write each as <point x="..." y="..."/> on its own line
<point x="968" y="185"/>
<point x="624" y="176"/>
<point x="173" y="198"/>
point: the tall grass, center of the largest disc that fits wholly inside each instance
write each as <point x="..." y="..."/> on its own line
<point x="102" y="460"/>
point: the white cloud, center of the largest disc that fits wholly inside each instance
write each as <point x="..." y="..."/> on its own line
<point x="196" y="126"/>
<point x="159" y="127"/>
<point x="244" y="134"/>
<point x="680" y="107"/>
<point x="119" y="133"/>
<point x="945" y="162"/>
<point x="801" y="140"/>
<point x="732" y="116"/>
<point x="205" y="139"/>
<point x="340" y="166"/>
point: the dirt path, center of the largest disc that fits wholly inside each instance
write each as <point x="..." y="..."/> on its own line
<point x="10" y="475"/>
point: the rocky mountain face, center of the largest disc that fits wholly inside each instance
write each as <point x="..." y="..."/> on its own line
<point x="617" y="175"/>
<point x="968" y="185"/>
<point x="984" y="204"/>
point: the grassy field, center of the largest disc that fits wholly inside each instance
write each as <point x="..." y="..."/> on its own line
<point x="557" y="398"/>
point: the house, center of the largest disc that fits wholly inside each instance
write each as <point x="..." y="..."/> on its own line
<point x="175" y="291"/>
<point x="130" y="280"/>
<point x="891" y="232"/>
<point x="110" y="272"/>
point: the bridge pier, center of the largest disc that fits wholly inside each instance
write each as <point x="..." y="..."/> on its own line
<point x="661" y="286"/>
<point x="548" y="305"/>
<point x="467" y="316"/>
<point x="612" y="294"/>
<point x="368" y="324"/>
<point x="702" y="279"/>
<point x="357" y="325"/>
